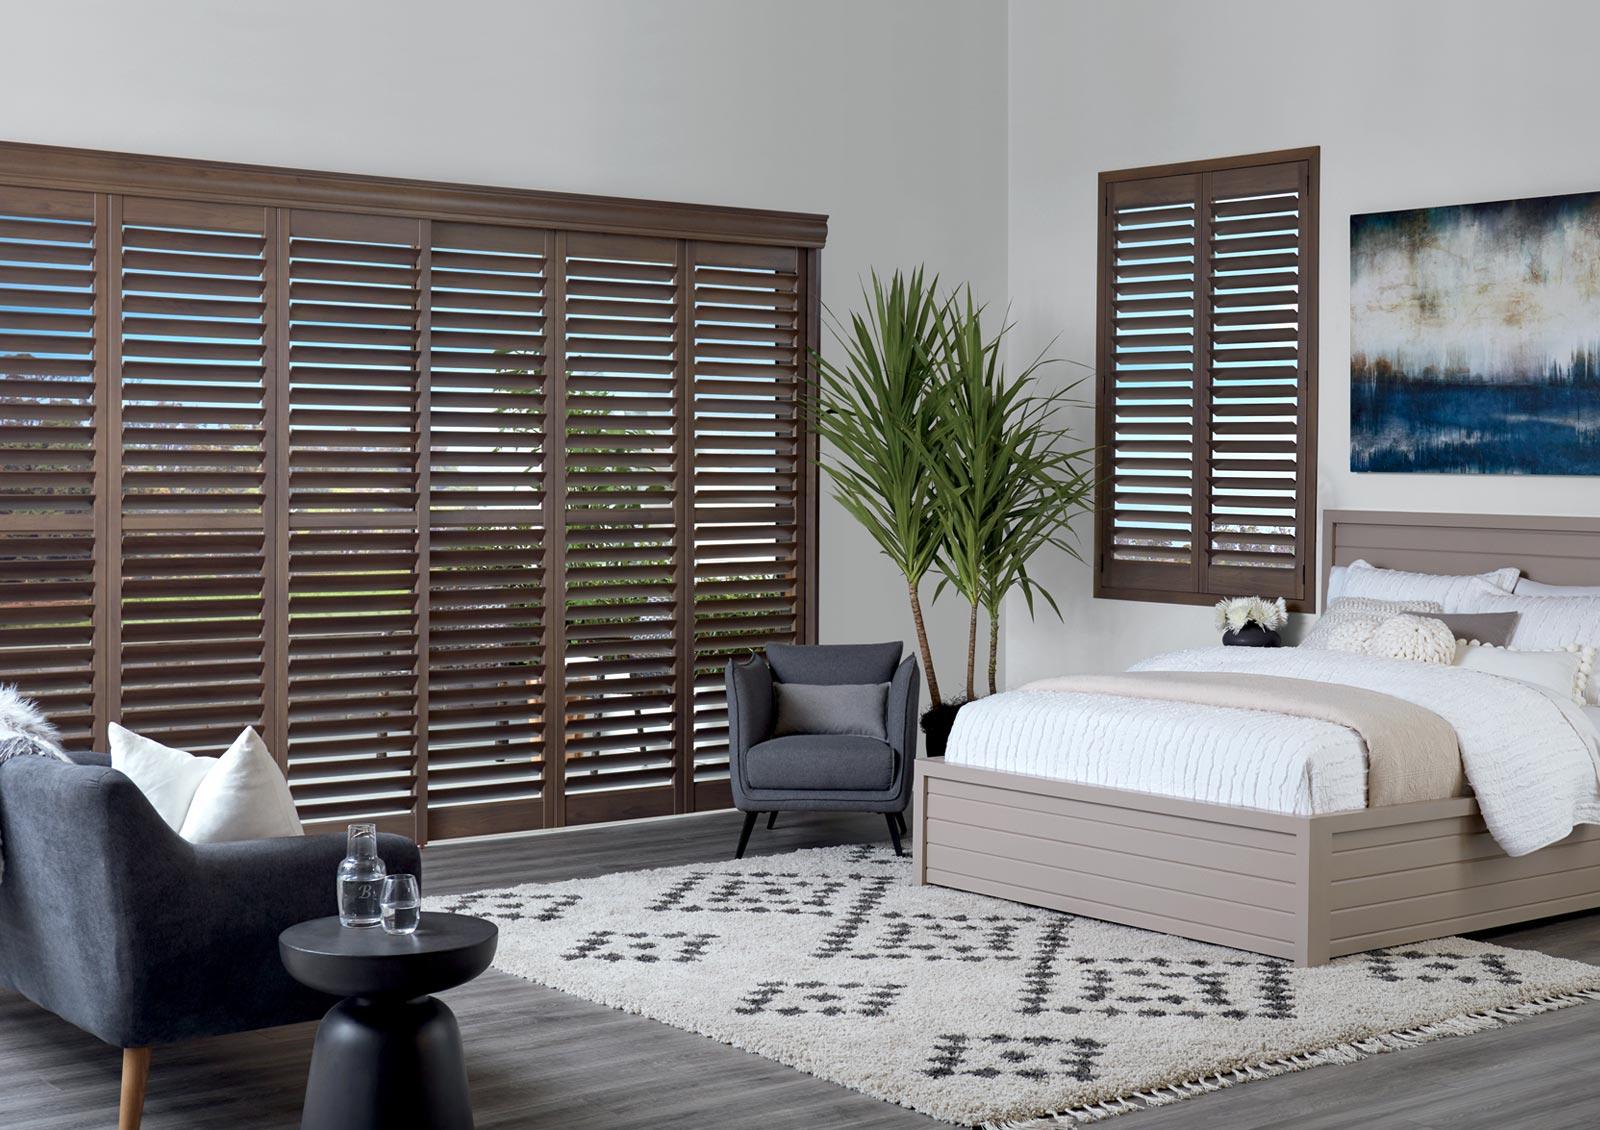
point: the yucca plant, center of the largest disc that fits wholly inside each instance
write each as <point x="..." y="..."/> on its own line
<point x="1007" y="481"/>
<point x="872" y="413"/>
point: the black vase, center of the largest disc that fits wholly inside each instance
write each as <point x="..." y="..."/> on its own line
<point x="1252" y="635"/>
<point x="937" y="722"/>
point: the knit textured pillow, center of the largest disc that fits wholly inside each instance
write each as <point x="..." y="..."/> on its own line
<point x="1350" y="621"/>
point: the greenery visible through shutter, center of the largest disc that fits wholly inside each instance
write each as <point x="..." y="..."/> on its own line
<point x="462" y="497"/>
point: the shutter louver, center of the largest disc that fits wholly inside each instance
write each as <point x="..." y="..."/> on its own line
<point x="623" y="551"/>
<point x="353" y="630"/>
<point x="1258" y="381"/>
<point x="49" y="483"/>
<point x="194" y="527"/>
<point x="747" y="361"/>
<point x="1206" y="417"/>
<point x="486" y="686"/>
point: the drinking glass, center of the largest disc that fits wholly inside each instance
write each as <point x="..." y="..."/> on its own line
<point x="402" y="904"/>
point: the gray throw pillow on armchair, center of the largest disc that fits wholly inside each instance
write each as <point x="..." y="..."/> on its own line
<point x="842" y="708"/>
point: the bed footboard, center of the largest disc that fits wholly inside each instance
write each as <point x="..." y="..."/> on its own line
<point x="1304" y="888"/>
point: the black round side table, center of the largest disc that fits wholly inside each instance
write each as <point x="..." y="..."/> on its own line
<point x="389" y="1055"/>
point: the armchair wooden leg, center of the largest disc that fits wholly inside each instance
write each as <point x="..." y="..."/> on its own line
<point x="135" y="1076"/>
<point x="894" y="832"/>
<point x="744" y="835"/>
<point x="900" y="819"/>
<point x="772" y="820"/>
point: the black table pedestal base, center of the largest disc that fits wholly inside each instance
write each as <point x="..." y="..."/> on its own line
<point x="383" y="1064"/>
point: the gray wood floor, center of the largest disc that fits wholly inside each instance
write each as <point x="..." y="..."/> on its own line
<point x="539" y="1058"/>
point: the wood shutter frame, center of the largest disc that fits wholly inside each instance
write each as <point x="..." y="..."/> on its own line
<point x="191" y="474"/>
<point x="1202" y="516"/>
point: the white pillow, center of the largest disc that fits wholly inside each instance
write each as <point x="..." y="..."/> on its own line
<point x="1544" y="621"/>
<point x="1568" y="671"/>
<point x="1421" y="639"/>
<point x="1365" y="580"/>
<point x="1526" y="587"/>
<point x="238" y="796"/>
<point x="1350" y="621"/>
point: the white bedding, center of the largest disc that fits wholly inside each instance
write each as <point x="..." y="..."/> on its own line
<point x="1532" y="760"/>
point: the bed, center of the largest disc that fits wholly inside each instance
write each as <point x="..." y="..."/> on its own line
<point x="1306" y="887"/>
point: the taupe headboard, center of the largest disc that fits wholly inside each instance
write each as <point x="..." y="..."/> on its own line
<point x="1557" y="551"/>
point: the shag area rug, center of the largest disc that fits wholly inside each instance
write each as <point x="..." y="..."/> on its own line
<point x="979" y="1011"/>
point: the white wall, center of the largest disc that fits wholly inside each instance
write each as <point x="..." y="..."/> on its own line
<point x="1416" y="103"/>
<point x="890" y="116"/>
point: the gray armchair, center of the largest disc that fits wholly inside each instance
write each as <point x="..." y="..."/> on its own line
<point x="112" y="921"/>
<point x="811" y="772"/>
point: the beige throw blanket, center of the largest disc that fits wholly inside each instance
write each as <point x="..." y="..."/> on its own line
<point x="1412" y="753"/>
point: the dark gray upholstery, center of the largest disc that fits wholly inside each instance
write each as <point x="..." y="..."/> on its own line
<point x="112" y="921"/>
<point x="820" y="772"/>
<point x="820" y="761"/>
<point x="834" y="663"/>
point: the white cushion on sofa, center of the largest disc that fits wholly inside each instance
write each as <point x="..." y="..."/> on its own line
<point x="238" y="796"/>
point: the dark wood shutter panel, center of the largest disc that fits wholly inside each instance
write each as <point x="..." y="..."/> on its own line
<point x="623" y="547"/>
<point x="51" y="480"/>
<point x="748" y="356"/>
<point x="486" y="577"/>
<point x="354" y="537"/>
<point x="1206" y="417"/>
<point x="1259" y="382"/>
<point x="1152" y="433"/>
<point x="193" y="337"/>
<point x="461" y="497"/>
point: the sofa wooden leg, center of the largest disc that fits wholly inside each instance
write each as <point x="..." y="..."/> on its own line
<point x="894" y="832"/>
<point x="772" y="820"/>
<point x="135" y="1076"/>
<point x="744" y="834"/>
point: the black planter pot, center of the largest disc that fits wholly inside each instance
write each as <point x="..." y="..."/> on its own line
<point x="936" y="724"/>
<point x="1252" y="635"/>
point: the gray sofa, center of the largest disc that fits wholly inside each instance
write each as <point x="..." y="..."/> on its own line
<point x="812" y="772"/>
<point x="113" y="922"/>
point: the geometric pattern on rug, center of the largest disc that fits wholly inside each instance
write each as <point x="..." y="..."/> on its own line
<point x="976" y="1010"/>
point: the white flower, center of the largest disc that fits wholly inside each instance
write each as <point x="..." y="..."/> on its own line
<point x="1240" y="611"/>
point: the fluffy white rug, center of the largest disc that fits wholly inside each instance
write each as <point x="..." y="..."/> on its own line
<point x="980" y="1011"/>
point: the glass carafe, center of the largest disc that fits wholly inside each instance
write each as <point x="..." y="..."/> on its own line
<point x="361" y="879"/>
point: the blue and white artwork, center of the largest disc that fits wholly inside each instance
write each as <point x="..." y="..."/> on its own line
<point x="1475" y="338"/>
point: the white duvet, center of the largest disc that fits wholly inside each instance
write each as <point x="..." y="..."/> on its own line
<point x="1532" y="759"/>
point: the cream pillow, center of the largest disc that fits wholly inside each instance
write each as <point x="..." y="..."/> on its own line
<point x="238" y="796"/>
<point x="1568" y="671"/>
<point x="1420" y="639"/>
<point x="1350" y="621"/>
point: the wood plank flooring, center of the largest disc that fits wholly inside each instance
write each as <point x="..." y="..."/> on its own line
<point x="539" y="1058"/>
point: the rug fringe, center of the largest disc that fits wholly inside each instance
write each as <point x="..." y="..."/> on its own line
<point x="1465" y="1025"/>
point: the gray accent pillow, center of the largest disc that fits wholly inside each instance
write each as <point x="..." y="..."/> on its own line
<point x="841" y="708"/>
<point x="1482" y="627"/>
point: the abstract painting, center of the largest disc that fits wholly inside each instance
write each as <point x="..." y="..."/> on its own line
<point x="1475" y="338"/>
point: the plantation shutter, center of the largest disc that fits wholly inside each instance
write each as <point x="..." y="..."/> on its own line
<point x="1207" y="402"/>
<point x="486" y="577"/>
<point x="194" y="523"/>
<point x="747" y="346"/>
<point x="355" y="551"/>
<point x="623" y="541"/>
<point x="461" y="497"/>
<point x="52" y="420"/>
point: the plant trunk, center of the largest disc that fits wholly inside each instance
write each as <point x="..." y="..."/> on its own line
<point x="972" y="650"/>
<point x="922" y="643"/>
<point x="994" y="648"/>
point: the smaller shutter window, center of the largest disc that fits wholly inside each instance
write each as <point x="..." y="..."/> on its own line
<point x="1206" y="414"/>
